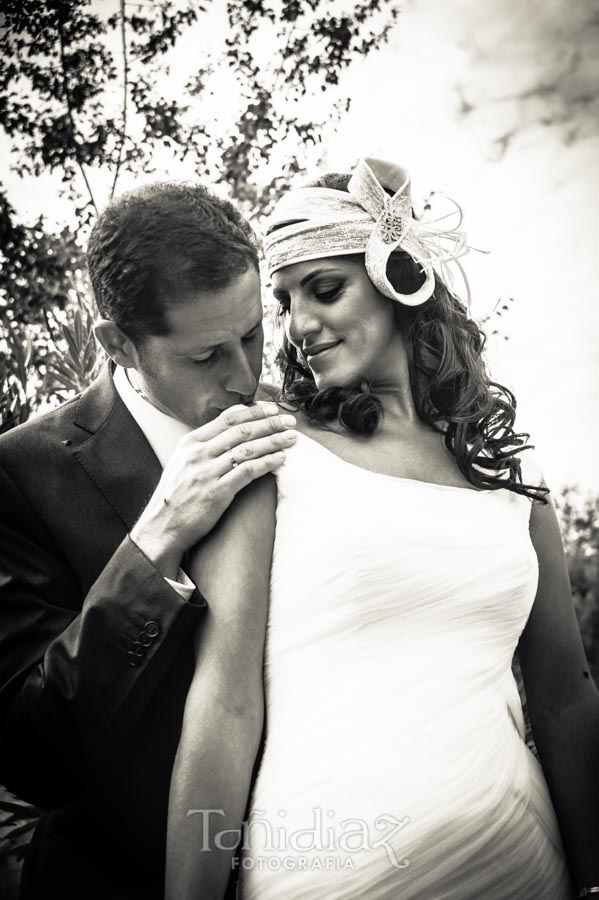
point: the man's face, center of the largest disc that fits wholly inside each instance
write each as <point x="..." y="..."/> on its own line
<point x="210" y="358"/>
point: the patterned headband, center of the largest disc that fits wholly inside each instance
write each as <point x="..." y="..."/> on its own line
<point x="312" y="223"/>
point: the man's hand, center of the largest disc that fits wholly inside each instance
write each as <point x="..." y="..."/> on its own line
<point x="208" y="468"/>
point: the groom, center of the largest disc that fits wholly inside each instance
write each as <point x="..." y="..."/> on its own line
<point x="99" y="502"/>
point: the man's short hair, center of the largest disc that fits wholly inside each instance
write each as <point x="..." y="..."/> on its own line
<point x="156" y="246"/>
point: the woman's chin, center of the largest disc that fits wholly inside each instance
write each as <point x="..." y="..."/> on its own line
<point x="335" y="379"/>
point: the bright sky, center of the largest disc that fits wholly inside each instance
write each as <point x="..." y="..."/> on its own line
<point x="455" y="98"/>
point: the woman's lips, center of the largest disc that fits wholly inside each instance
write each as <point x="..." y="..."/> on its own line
<point x="318" y="349"/>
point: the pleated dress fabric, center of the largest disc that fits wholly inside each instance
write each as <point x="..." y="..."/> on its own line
<point x="394" y="765"/>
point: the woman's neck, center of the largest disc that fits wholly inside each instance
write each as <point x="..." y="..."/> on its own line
<point x="395" y="392"/>
<point x="398" y="404"/>
<point x="393" y="388"/>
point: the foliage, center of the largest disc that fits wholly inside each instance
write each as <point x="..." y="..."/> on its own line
<point x="65" y="63"/>
<point x="274" y="122"/>
<point x="46" y="338"/>
<point x="579" y="520"/>
<point x="490" y="324"/>
<point x="16" y="399"/>
<point x="58" y="79"/>
<point x="38" y="267"/>
<point x="72" y="368"/>
<point x="71" y="363"/>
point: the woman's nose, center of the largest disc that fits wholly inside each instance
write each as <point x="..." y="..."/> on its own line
<point x="301" y="322"/>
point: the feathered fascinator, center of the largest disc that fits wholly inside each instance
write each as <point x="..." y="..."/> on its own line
<point x="312" y="223"/>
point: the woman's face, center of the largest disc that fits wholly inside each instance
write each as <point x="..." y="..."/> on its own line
<point x="339" y="322"/>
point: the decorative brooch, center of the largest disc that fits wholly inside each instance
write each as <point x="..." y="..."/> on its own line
<point x="392" y="225"/>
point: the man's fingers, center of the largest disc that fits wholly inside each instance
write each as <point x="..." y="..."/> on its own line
<point x="243" y="474"/>
<point x="247" y="432"/>
<point x="234" y="416"/>
<point x="241" y="453"/>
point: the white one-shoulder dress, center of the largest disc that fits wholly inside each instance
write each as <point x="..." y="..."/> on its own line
<point x="394" y="765"/>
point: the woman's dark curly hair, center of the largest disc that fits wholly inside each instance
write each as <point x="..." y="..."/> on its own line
<point x="451" y="387"/>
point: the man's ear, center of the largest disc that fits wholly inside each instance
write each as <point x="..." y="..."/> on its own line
<point x="118" y="346"/>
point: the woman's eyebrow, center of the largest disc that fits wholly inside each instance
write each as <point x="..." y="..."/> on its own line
<point x="307" y="279"/>
<point x="310" y="276"/>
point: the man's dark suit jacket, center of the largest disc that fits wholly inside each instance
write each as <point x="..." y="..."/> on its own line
<point x="95" y="652"/>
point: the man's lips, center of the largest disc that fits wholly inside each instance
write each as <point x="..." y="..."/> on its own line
<point x="315" y="349"/>
<point x="244" y="401"/>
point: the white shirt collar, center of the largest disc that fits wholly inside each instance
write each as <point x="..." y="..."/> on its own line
<point x="161" y="431"/>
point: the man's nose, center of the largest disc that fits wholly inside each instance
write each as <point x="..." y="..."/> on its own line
<point x="240" y="377"/>
<point x="301" y="322"/>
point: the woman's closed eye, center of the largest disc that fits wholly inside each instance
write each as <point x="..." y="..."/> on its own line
<point x="325" y="292"/>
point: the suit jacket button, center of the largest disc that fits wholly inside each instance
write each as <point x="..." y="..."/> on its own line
<point x="137" y="648"/>
<point x="133" y="658"/>
<point x="152" y="629"/>
<point x="145" y="639"/>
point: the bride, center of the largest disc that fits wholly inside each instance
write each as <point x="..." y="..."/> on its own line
<point x="414" y="551"/>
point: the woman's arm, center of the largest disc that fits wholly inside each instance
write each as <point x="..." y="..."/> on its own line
<point x="563" y="701"/>
<point x="224" y="712"/>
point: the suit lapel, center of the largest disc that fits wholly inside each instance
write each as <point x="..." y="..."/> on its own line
<point x="116" y="456"/>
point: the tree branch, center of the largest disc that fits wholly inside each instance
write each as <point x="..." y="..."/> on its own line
<point x="125" y="92"/>
<point x="71" y="117"/>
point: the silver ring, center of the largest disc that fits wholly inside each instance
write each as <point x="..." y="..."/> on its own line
<point x="234" y="462"/>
